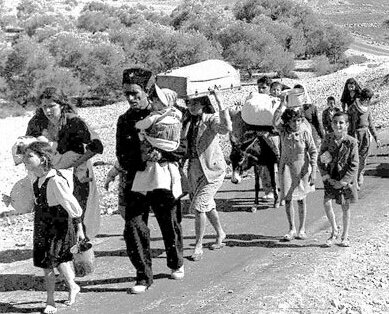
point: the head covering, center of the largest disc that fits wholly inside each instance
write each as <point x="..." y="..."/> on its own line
<point x="167" y="96"/>
<point x="55" y="94"/>
<point x="137" y="75"/>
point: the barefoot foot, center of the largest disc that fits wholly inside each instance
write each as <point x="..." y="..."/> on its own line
<point x="50" y="309"/>
<point x="219" y="242"/>
<point x="72" y="295"/>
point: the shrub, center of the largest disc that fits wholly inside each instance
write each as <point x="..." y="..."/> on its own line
<point x="335" y="42"/>
<point x="100" y="68"/>
<point x="200" y="16"/>
<point x="61" y="78"/>
<point x="36" y="21"/>
<point x="162" y="48"/>
<point x="93" y="59"/>
<point x="67" y="48"/>
<point x="96" y="21"/>
<point x="24" y="65"/>
<point x="322" y="66"/>
<point x="245" y="49"/>
<point x="288" y="37"/>
<point x="27" y="8"/>
<point x="309" y="35"/>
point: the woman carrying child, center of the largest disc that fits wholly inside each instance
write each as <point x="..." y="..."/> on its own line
<point x="338" y="164"/>
<point x="206" y="168"/>
<point x="297" y="169"/>
<point x="57" y="221"/>
<point x="75" y="144"/>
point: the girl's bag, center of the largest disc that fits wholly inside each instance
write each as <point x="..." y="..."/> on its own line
<point x="83" y="258"/>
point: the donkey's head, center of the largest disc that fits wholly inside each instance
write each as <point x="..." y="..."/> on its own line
<point x="243" y="156"/>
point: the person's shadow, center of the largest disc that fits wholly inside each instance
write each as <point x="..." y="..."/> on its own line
<point x="20" y="307"/>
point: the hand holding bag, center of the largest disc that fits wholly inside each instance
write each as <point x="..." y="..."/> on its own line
<point x="83" y="258"/>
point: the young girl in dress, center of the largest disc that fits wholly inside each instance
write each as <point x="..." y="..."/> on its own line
<point x="297" y="169"/>
<point x="57" y="222"/>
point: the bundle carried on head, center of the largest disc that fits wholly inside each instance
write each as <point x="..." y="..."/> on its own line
<point x="259" y="109"/>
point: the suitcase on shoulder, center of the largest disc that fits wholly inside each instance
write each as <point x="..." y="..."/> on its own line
<point x="195" y="80"/>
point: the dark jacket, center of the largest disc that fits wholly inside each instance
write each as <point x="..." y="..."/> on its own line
<point x="345" y="159"/>
<point x="74" y="134"/>
<point x="326" y="118"/>
<point x="310" y="113"/>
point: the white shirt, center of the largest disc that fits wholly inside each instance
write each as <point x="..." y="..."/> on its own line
<point x="59" y="192"/>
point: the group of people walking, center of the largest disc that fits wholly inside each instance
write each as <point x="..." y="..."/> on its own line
<point x="154" y="138"/>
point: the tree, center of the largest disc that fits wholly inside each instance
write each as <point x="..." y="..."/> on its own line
<point x="96" y="21"/>
<point x="26" y="8"/>
<point x="24" y="66"/>
<point x="200" y="16"/>
<point x="163" y="48"/>
<point x="244" y="48"/>
<point x="40" y="20"/>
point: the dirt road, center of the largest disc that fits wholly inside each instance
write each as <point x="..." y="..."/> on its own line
<point x="254" y="273"/>
<point x="363" y="47"/>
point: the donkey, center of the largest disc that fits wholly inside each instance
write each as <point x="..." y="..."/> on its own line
<point x="248" y="153"/>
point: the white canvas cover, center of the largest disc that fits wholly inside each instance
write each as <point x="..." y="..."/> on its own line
<point x="259" y="109"/>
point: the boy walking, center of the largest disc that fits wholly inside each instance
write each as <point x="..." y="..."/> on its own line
<point x="338" y="163"/>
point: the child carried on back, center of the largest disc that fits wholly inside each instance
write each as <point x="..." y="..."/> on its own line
<point x="160" y="130"/>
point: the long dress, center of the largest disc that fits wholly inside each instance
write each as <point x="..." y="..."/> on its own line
<point x="298" y="160"/>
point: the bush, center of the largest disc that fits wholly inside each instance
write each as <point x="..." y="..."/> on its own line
<point x="61" y="78"/>
<point x="322" y="66"/>
<point x="93" y="59"/>
<point x="100" y="68"/>
<point x="197" y="15"/>
<point x="96" y="21"/>
<point x="335" y="42"/>
<point x="162" y="48"/>
<point x="27" y="8"/>
<point x="245" y="49"/>
<point x="24" y="66"/>
<point x="298" y="29"/>
<point x="37" y="21"/>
